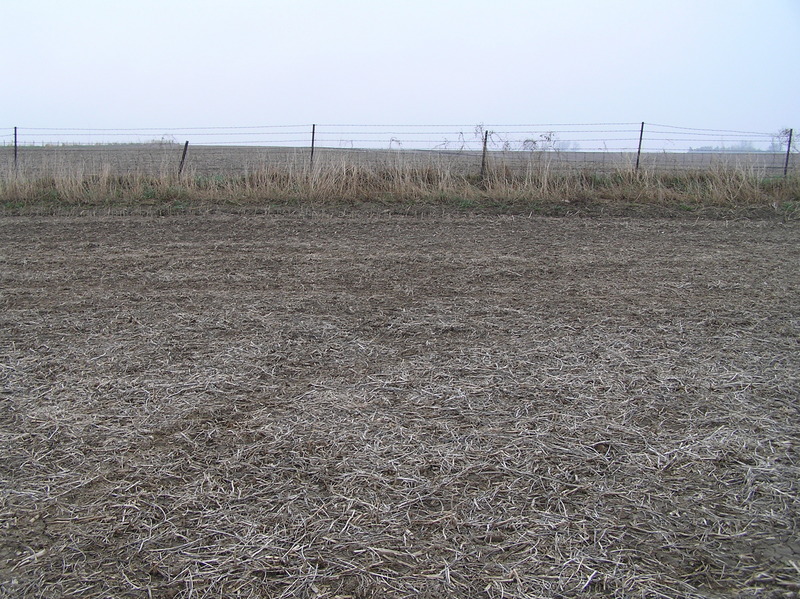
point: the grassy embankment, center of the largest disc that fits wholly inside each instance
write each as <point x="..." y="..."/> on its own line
<point x="539" y="190"/>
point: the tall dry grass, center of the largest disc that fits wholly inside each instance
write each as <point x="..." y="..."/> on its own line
<point x="539" y="187"/>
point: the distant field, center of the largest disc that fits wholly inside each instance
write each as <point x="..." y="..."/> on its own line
<point x="388" y="407"/>
<point x="157" y="159"/>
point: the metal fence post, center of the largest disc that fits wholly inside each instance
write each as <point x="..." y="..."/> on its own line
<point x="15" y="149"/>
<point x="639" y="151"/>
<point x="788" y="152"/>
<point x="313" y="136"/>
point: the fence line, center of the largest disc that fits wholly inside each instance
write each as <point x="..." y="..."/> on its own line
<point x="568" y="146"/>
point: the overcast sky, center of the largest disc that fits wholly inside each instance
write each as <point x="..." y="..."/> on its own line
<point x="196" y="63"/>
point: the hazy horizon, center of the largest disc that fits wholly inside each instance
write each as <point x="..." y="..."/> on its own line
<point x="181" y="63"/>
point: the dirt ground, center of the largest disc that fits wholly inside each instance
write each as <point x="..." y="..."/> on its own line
<point x="388" y="406"/>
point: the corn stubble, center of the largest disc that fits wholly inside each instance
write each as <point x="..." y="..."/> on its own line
<point x="397" y="407"/>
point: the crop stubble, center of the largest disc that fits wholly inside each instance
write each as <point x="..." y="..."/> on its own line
<point x="386" y="406"/>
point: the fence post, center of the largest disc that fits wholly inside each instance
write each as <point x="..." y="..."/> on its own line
<point x="313" y="135"/>
<point x="183" y="158"/>
<point x="483" y="156"/>
<point x="788" y="152"/>
<point x="15" y="149"/>
<point x="639" y="151"/>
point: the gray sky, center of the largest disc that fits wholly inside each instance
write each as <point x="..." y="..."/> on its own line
<point x="726" y="64"/>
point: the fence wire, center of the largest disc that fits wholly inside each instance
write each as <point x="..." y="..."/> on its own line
<point x="236" y="149"/>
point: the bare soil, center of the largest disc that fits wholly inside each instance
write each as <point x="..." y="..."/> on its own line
<point x="389" y="406"/>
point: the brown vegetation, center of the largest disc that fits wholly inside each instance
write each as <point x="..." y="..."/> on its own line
<point x="404" y="182"/>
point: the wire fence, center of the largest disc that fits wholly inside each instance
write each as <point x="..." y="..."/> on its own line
<point x="230" y="150"/>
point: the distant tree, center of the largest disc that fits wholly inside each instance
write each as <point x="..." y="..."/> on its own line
<point x="742" y="147"/>
<point x="549" y="141"/>
<point x="779" y="141"/>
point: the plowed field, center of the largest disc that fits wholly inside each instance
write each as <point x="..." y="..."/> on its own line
<point x="387" y="406"/>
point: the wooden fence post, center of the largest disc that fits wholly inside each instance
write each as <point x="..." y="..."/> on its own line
<point x="15" y="149"/>
<point x="483" y="156"/>
<point x="183" y="158"/>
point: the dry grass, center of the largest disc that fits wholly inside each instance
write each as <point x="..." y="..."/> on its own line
<point x="399" y="407"/>
<point x="400" y="183"/>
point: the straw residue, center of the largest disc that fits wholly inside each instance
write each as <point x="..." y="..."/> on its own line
<point x="397" y="407"/>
